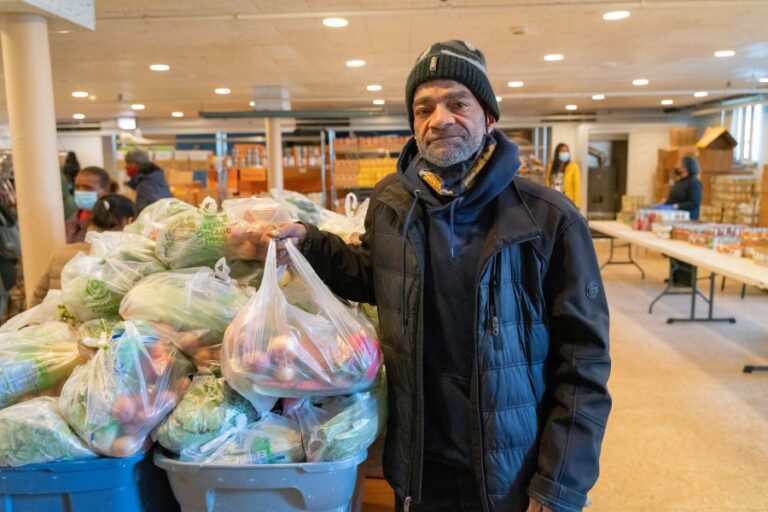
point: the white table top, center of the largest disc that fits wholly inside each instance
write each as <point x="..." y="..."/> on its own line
<point x="740" y="269"/>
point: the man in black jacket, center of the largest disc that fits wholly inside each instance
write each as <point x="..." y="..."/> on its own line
<point x="146" y="178"/>
<point x="494" y="322"/>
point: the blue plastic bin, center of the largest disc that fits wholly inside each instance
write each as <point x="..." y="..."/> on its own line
<point x="132" y="484"/>
<point x="315" y="487"/>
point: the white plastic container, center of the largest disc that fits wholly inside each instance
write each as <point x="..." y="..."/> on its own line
<point x="316" y="487"/>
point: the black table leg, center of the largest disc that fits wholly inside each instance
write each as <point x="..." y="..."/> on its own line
<point x="629" y="261"/>
<point x="710" y="302"/>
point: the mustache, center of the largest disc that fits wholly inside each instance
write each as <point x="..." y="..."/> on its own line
<point x="453" y="132"/>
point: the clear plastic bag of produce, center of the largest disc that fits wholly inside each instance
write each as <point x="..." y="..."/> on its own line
<point x="34" y="432"/>
<point x="338" y="428"/>
<point x="35" y="358"/>
<point x="247" y="218"/>
<point x="299" y="206"/>
<point x="155" y="216"/>
<point x="94" y="284"/>
<point x="193" y="238"/>
<point x="199" y="303"/>
<point x="208" y="410"/>
<point x="275" y="349"/>
<point x="272" y="439"/>
<point x="115" y="400"/>
<point x="349" y="226"/>
<point x="47" y="311"/>
<point x="94" y="334"/>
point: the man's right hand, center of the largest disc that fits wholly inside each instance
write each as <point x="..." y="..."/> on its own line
<point x="294" y="232"/>
<point x="250" y="242"/>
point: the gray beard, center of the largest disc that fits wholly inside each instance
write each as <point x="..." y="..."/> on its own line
<point x="446" y="157"/>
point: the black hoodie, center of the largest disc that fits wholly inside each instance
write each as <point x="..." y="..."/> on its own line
<point x="456" y="230"/>
<point x="150" y="186"/>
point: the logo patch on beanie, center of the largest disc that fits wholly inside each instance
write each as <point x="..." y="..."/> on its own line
<point x="433" y="64"/>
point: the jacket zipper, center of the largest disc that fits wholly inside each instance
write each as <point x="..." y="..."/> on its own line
<point x="478" y="410"/>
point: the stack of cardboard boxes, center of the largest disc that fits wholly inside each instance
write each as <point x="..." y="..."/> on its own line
<point x="682" y="143"/>
<point x="715" y="155"/>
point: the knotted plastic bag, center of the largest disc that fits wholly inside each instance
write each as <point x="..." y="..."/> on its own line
<point x="35" y="359"/>
<point x="199" y="303"/>
<point x="93" y="284"/>
<point x="155" y="217"/>
<point x="193" y="238"/>
<point x="34" y="432"/>
<point x="349" y="226"/>
<point x="276" y="349"/>
<point x="132" y="383"/>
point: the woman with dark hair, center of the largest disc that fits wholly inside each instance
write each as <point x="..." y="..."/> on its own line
<point x="564" y="175"/>
<point x="111" y="212"/>
<point x="91" y="183"/>
<point x="68" y="172"/>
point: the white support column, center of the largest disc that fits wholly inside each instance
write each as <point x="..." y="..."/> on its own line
<point x="29" y="93"/>
<point x="274" y="153"/>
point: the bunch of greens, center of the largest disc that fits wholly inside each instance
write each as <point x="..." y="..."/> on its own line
<point x="35" y="358"/>
<point x="193" y="238"/>
<point x="34" y="432"/>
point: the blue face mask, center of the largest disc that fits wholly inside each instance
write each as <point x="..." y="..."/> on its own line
<point x="86" y="199"/>
<point x="564" y="156"/>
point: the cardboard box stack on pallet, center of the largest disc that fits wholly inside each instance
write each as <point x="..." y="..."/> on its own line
<point x="715" y="155"/>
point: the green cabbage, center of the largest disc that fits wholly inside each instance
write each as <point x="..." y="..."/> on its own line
<point x="194" y="238"/>
<point x="272" y="439"/>
<point x="35" y="358"/>
<point x="208" y="409"/>
<point x="34" y="432"/>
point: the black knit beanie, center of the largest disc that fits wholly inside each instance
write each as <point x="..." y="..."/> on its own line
<point x="452" y="60"/>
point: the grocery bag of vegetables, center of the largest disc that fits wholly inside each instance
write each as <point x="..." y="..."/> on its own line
<point x="209" y="409"/>
<point x="193" y="238"/>
<point x="338" y="428"/>
<point x="93" y="284"/>
<point x="34" y="432"/>
<point x="300" y="207"/>
<point x="94" y="334"/>
<point x="155" y="216"/>
<point x="272" y="439"/>
<point x="115" y="400"/>
<point x="275" y="349"/>
<point x="47" y="311"/>
<point x="199" y="303"/>
<point x="349" y="226"/>
<point x="248" y="219"/>
<point x="35" y="359"/>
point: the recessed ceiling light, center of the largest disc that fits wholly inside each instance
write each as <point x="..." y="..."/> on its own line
<point x="379" y="102"/>
<point x="78" y="116"/>
<point x="499" y="99"/>
<point x="571" y="107"/>
<point x="667" y="102"/>
<point x="355" y="63"/>
<point x="515" y="84"/>
<point x="553" y="57"/>
<point x="640" y="81"/>
<point x="764" y="80"/>
<point x="159" y="67"/>
<point x="177" y="114"/>
<point x="701" y="94"/>
<point x="373" y="87"/>
<point x="79" y="94"/>
<point x="138" y="106"/>
<point x="725" y="53"/>
<point x="222" y="90"/>
<point x="63" y="31"/>
<point x="598" y="97"/>
<point x="251" y="103"/>
<point x="616" y="15"/>
<point x="335" y="22"/>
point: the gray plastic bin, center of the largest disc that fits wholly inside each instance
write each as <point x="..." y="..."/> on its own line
<point x="316" y="487"/>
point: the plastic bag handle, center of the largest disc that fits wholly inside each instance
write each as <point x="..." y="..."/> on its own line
<point x="209" y="204"/>
<point x="350" y="204"/>
<point x="221" y="270"/>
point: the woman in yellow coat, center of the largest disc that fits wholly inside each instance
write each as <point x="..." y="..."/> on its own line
<point x="564" y="174"/>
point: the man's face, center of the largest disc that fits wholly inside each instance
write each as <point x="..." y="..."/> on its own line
<point x="88" y="182"/>
<point x="448" y="122"/>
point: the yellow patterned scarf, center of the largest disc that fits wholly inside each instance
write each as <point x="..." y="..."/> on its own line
<point x="438" y="184"/>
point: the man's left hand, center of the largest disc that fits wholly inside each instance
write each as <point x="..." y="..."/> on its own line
<point x="535" y="506"/>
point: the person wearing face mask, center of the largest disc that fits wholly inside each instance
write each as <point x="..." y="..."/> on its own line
<point x="112" y="212"/>
<point x="493" y="317"/>
<point x="564" y="175"/>
<point x="146" y="178"/>
<point x="90" y="184"/>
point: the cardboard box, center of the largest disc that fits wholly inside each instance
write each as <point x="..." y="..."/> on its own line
<point x="764" y="185"/>
<point x="716" y="160"/>
<point x="670" y="158"/>
<point x="717" y="137"/>
<point x="762" y="218"/>
<point x="660" y="192"/>
<point x="683" y="136"/>
<point x="253" y="174"/>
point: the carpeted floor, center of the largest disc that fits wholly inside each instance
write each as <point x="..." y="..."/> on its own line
<point x="689" y="430"/>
